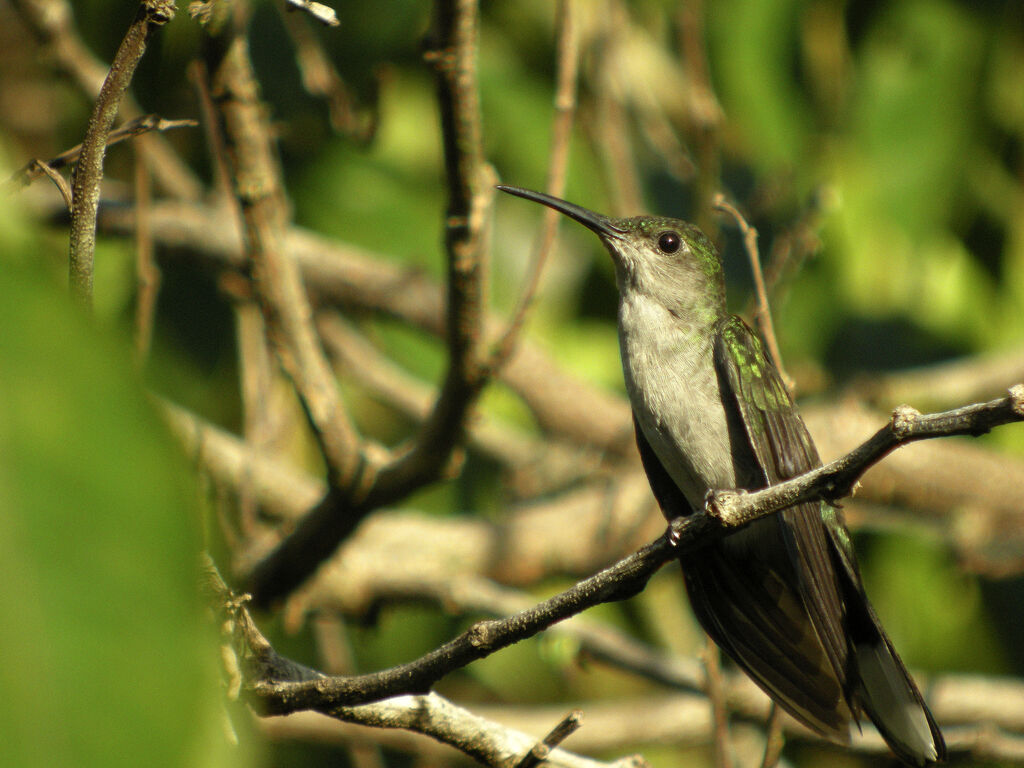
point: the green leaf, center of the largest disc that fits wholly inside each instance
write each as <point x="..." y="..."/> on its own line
<point x="107" y="659"/>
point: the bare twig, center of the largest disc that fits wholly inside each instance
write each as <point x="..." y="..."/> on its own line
<point x="764" y="314"/>
<point x="684" y="720"/>
<point x="482" y="639"/>
<point x="340" y="274"/>
<point x="52" y="23"/>
<point x="609" y="126"/>
<point x="720" y="743"/>
<point x="37" y="168"/>
<point x="452" y="51"/>
<point x="533" y="465"/>
<point x="775" y="739"/>
<point x="453" y="54"/>
<point x="428" y="714"/>
<point x="322" y="13"/>
<point x="724" y="511"/>
<point x="136" y="127"/>
<point x="200" y="78"/>
<point x="558" y="157"/>
<point x="837" y="479"/>
<point x="705" y="114"/>
<point x="85" y="182"/>
<point x="321" y="79"/>
<point x="230" y="463"/>
<point x="257" y="184"/>
<point x="954" y="699"/>
<point x="947" y="481"/>
<point x="541" y="751"/>
<point x="256" y="383"/>
<point x="483" y="740"/>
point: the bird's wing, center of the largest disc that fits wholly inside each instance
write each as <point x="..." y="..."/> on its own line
<point x="873" y="677"/>
<point x="753" y="610"/>
<point x="761" y="410"/>
<point x="883" y="689"/>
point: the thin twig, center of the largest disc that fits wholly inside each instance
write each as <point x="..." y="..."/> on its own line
<point x="140" y="125"/>
<point x="541" y="751"/>
<point x="610" y="128"/>
<point x="256" y="379"/>
<point x="558" y="158"/>
<point x="38" y="167"/>
<point x="566" y="407"/>
<point x="764" y="315"/>
<point x="705" y="114"/>
<point x="682" y="720"/>
<point x="621" y="580"/>
<point x="724" y="511"/>
<point x="321" y="79"/>
<point x="52" y="23"/>
<point x="340" y="274"/>
<point x="88" y="173"/>
<point x="199" y="76"/>
<point x="392" y="385"/>
<point x="720" y="745"/>
<point x="837" y="479"/>
<point x="254" y="658"/>
<point x="318" y="11"/>
<point x="256" y="176"/>
<point x="452" y="51"/>
<point x="280" y="692"/>
<point x="775" y="739"/>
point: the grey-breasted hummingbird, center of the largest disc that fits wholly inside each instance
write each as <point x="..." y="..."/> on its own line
<point x="781" y="596"/>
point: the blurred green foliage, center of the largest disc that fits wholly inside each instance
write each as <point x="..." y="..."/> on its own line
<point x="107" y="655"/>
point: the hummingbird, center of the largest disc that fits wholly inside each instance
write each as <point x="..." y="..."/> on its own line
<point x="782" y="596"/>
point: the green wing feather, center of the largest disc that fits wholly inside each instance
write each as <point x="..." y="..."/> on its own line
<point x="783" y="449"/>
<point x="863" y="660"/>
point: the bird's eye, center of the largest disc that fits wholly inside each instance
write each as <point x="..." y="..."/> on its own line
<point x="669" y="242"/>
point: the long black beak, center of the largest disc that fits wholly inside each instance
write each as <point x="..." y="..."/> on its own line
<point x="602" y="225"/>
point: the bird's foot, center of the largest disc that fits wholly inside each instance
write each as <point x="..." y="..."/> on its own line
<point x="720" y="506"/>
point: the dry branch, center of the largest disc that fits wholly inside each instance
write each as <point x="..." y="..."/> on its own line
<point x="85" y="181"/>
<point x="51" y="22"/>
<point x="136" y="127"/>
<point x="725" y="510"/>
